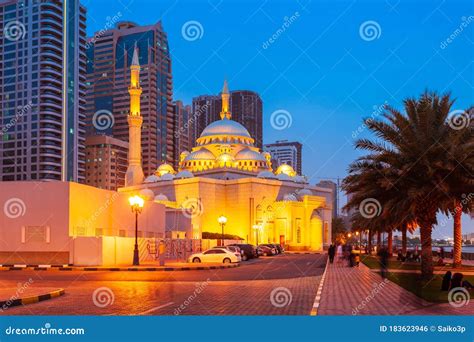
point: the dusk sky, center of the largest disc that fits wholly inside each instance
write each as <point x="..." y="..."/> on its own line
<point x="332" y="64"/>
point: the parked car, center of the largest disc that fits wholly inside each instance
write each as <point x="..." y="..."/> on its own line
<point x="248" y="251"/>
<point x="266" y="250"/>
<point x="234" y="249"/>
<point x="280" y="248"/>
<point x="215" y="255"/>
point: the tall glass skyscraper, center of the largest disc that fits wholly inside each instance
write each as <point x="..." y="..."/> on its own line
<point x="42" y="90"/>
<point x="108" y="77"/>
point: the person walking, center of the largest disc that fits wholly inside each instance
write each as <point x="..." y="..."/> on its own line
<point x="331" y="253"/>
<point x="339" y="254"/>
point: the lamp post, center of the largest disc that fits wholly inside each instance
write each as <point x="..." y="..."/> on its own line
<point x="360" y="240"/>
<point x="136" y="203"/>
<point x="222" y="221"/>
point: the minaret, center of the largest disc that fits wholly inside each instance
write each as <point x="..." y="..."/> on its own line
<point x="225" y="113"/>
<point x="134" y="175"/>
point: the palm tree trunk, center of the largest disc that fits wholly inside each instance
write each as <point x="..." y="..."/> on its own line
<point x="404" y="239"/>
<point x="457" y="248"/>
<point x="426" y="251"/>
<point x="390" y="243"/>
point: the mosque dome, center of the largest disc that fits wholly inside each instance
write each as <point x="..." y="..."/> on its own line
<point x="300" y="179"/>
<point x="284" y="177"/>
<point x="167" y="177"/>
<point x="305" y="192"/>
<point x="164" y="169"/>
<point x="201" y="154"/>
<point x="147" y="194"/>
<point x="161" y="197"/>
<point x="285" y="169"/>
<point x="225" y="127"/>
<point x="184" y="174"/>
<point x="290" y="198"/>
<point x="248" y="154"/>
<point x="152" y="179"/>
<point x="266" y="174"/>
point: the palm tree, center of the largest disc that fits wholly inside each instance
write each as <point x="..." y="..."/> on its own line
<point x="410" y="156"/>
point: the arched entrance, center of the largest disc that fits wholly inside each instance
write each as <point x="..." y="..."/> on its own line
<point x="316" y="232"/>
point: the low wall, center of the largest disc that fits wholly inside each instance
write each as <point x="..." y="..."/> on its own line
<point x="34" y="258"/>
<point x="109" y="251"/>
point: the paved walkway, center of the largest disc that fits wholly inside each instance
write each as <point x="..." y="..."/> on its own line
<point x="359" y="291"/>
<point x="395" y="270"/>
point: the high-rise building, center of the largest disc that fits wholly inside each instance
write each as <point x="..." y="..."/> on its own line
<point x="183" y="133"/>
<point x="108" y="76"/>
<point x="42" y="90"/>
<point x="286" y="152"/>
<point x="335" y="189"/>
<point x="106" y="162"/>
<point x="246" y="107"/>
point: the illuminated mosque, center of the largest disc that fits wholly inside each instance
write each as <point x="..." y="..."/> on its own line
<point x="225" y="175"/>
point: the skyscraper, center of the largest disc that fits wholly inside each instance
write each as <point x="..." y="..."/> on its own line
<point x="108" y="75"/>
<point x="246" y="107"/>
<point x="183" y="133"/>
<point x="286" y="152"/>
<point x="42" y="90"/>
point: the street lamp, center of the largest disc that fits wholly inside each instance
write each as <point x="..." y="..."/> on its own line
<point x="136" y="203"/>
<point x="222" y="221"/>
<point x="360" y="240"/>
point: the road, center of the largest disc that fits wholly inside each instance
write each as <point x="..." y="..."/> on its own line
<point x="280" y="285"/>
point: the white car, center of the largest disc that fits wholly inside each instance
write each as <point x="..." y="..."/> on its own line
<point x="215" y="255"/>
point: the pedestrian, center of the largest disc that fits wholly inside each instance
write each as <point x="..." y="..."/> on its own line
<point x="339" y="254"/>
<point x="331" y="253"/>
<point x="384" y="262"/>
<point x="446" y="283"/>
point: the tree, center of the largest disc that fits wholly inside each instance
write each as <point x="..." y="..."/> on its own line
<point x="338" y="228"/>
<point x="409" y="157"/>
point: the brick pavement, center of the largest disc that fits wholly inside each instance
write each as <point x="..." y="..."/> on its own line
<point x="358" y="291"/>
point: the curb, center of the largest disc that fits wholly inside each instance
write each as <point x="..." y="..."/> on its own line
<point x="317" y="299"/>
<point x="4" y="304"/>
<point x="286" y="252"/>
<point x="114" y="269"/>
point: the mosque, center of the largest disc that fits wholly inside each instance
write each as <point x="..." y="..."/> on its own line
<point x="226" y="176"/>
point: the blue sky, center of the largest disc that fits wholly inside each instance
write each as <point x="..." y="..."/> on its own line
<point x="321" y="67"/>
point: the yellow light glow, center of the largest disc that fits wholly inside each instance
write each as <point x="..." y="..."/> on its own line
<point x="349" y="235"/>
<point x="222" y="219"/>
<point x="136" y="201"/>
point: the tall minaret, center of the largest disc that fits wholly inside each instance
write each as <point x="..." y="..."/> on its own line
<point x="134" y="175"/>
<point x="225" y="113"/>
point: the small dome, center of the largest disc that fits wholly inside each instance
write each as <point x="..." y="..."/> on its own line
<point x="248" y="154"/>
<point x="147" y="194"/>
<point x="266" y="174"/>
<point x="285" y="169"/>
<point x="164" y="169"/>
<point x="167" y="177"/>
<point x="161" y="197"/>
<point x="300" y="179"/>
<point x="184" y="174"/>
<point x="290" y="198"/>
<point x="284" y="177"/>
<point x="305" y="192"/>
<point x="225" y="127"/>
<point x="152" y="179"/>
<point x="201" y="154"/>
